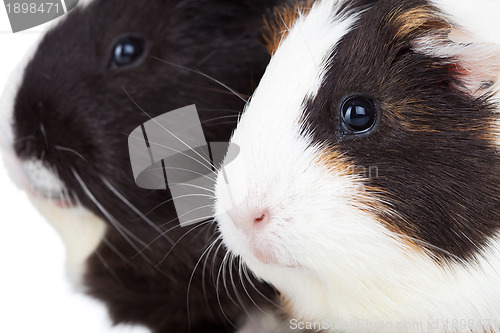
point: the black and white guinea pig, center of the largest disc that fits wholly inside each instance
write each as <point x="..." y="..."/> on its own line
<point x="367" y="187"/>
<point x="105" y="69"/>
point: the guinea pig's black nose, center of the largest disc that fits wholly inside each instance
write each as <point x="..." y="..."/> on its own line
<point x="24" y="147"/>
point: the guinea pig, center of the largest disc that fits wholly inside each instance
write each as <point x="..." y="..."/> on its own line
<point x="367" y="185"/>
<point x="106" y="68"/>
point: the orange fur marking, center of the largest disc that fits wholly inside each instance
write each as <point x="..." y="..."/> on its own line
<point x="373" y="199"/>
<point x="416" y="21"/>
<point x="281" y="21"/>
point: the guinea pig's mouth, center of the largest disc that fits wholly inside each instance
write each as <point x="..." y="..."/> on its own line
<point x="266" y="255"/>
<point x="54" y="198"/>
<point x="42" y="182"/>
<point x="265" y="247"/>
<point x="271" y="256"/>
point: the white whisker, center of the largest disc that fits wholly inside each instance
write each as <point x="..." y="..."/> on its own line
<point x="105" y="263"/>
<point x="208" y="250"/>
<point x="204" y="75"/>
<point x="235" y="289"/>
<point x="134" y="209"/>
<point x="71" y="151"/>
<point x="122" y="230"/>
<point x="187" y="170"/>
<point x="179" y="152"/>
<point x="217" y="286"/>
<point x="249" y="279"/>
<point x="188" y="212"/>
<point x="166" y="130"/>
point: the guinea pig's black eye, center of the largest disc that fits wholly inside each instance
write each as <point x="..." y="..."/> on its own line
<point x="358" y="114"/>
<point x="127" y="51"/>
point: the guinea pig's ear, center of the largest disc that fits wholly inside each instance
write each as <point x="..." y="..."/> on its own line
<point x="475" y="61"/>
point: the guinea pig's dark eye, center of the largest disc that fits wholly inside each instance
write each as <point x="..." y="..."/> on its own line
<point x="127" y="51"/>
<point x="358" y="114"/>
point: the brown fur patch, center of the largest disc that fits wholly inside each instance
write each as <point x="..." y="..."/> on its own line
<point x="478" y="74"/>
<point x="417" y="21"/>
<point x="286" y="305"/>
<point x="331" y="159"/>
<point x="370" y="198"/>
<point x="279" y="23"/>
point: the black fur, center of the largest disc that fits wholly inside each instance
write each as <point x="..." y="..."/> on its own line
<point x="83" y="105"/>
<point x="438" y="164"/>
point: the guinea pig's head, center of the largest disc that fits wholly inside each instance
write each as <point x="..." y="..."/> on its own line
<point x="110" y="66"/>
<point x="368" y="157"/>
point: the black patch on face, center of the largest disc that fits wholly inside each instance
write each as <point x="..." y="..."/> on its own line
<point x="83" y="106"/>
<point x="437" y="163"/>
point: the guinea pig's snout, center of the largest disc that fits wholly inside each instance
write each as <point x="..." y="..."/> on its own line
<point x="24" y="147"/>
<point x="263" y="218"/>
<point x="31" y="137"/>
<point x="250" y="220"/>
<point x="34" y="145"/>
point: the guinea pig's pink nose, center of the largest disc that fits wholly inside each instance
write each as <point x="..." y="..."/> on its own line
<point x="247" y="221"/>
<point x="262" y="218"/>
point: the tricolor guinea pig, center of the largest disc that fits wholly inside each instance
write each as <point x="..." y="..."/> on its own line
<point x="367" y="186"/>
<point x="105" y="69"/>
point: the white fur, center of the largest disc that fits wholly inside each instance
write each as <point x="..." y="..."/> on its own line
<point x="328" y="254"/>
<point x="481" y="61"/>
<point x="43" y="179"/>
<point x="479" y="17"/>
<point x="81" y="232"/>
<point x="264" y="321"/>
<point x="291" y="79"/>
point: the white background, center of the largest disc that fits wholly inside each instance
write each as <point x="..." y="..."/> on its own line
<point x="34" y="294"/>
